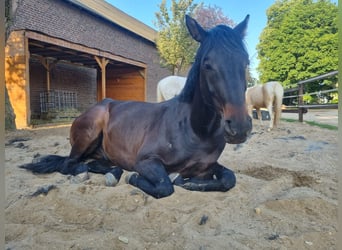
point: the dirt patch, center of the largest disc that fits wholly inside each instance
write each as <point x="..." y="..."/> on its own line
<point x="269" y="173"/>
<point x="285" y="198"/>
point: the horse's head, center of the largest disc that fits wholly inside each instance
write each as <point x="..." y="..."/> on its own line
<point x="222" y="61"/>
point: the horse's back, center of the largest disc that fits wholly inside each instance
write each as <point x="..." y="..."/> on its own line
<point x="274" y="88"/>
<point x="169" y="87"/>
<point x="260" y="94"/>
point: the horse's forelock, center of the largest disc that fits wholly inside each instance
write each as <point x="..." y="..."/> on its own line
<point x="227" y="38"/>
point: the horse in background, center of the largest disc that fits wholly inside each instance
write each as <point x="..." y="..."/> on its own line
<point x="269" y="96"/>
<point x="169" y="87"/>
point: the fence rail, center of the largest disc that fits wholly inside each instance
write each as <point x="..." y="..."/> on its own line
<point x="299" y="96"/>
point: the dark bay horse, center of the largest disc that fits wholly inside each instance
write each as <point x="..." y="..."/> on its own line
<point x="176" y="142"/>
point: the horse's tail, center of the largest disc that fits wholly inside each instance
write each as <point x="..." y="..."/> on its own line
<point x="67" y="166"/>
<point x="278" y="101"/>
<point x="53" y="163"/>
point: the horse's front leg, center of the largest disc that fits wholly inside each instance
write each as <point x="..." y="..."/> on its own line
<point x="222" y="179"/>
<point x="151" y="177"/>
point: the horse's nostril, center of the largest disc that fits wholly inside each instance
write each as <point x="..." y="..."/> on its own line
<point x="233" y="132"/>
<point x="229" y="128"/>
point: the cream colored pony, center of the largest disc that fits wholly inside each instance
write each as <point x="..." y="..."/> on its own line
<point x="169" y="87"/>
<point x="269" y="96"/>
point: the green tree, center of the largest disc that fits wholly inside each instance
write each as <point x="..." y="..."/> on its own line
<point x="299" y="41"/>
<point x="175" y="46"/>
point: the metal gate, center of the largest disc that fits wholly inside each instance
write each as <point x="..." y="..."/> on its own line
<point x="58" y="101"/>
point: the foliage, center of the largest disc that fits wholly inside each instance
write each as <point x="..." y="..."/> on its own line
<point x="210" y="16"/>
<point x="299" y="41"/>
<point x="175" y="46"/>
<point x="307" y="98"/>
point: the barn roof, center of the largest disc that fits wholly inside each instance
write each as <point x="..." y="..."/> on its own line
<point x="112" y="14"/>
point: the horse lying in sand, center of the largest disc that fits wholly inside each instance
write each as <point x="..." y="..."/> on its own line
<point x="176" y="142"/>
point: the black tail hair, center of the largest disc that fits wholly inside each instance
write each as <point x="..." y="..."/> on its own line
<point x="65" y="165"/>
<point x="48" y="164"/>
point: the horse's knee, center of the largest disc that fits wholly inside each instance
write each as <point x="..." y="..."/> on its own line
<point x="157" y="190"/>
<point x="227" y="185"/>
<point x="164" y="191"/>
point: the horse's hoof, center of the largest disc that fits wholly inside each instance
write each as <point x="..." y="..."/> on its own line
<point x="110" y="179"/>
<point x="79" y="178"/>
<point x="129" y="176"/>
<point x="173" y="177"/>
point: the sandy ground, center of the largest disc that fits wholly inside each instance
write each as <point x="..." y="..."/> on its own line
<point x="285" y="198"/>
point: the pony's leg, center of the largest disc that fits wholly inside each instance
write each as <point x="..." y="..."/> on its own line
<point x="222" y="179"/>
<point x="259" y="116"/>
<point x="152" y="178"/>
<point x="270" y="111"/>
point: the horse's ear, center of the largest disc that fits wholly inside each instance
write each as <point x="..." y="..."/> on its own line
<point x="196" y="31"/>
<point x="241" y="28"/>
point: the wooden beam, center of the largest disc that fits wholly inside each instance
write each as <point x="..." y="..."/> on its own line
<point x="102" y="62"/>
<point x="142" y="73"/>
<point x="81" y="48"/>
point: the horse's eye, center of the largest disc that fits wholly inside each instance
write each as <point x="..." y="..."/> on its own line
<point x="207" y="66"/>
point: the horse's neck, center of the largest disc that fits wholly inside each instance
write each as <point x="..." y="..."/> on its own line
<point x="204" y="119"/>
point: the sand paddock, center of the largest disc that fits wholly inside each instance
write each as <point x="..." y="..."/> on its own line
<point x="285" y="198"/>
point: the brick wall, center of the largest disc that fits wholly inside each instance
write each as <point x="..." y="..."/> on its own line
<point x="63" y="20"/>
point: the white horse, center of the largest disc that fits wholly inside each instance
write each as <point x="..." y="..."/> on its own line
<point x="169" y="87"/>
<point x="269" y="96"/>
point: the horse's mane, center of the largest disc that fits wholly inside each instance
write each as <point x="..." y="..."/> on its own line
<point x="220" y="36"/>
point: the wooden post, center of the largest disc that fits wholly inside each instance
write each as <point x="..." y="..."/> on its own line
<point x="300" y="102"/>
<point x="102" y="63"/>
<point x="48" y="66"/>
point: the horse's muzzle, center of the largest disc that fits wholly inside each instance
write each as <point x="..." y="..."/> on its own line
<point x="237" y="131"/>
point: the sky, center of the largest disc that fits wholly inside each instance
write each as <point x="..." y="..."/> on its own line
<point x="236" y="10"/>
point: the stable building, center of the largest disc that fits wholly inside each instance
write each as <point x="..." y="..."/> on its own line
<point x="63" y="56"/>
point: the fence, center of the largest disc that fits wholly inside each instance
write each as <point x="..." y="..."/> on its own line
<point x="297" y="100"/>
<point x="59" y="102"/>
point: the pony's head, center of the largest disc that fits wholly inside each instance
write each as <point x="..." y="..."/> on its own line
<point x="222" y="61"/>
